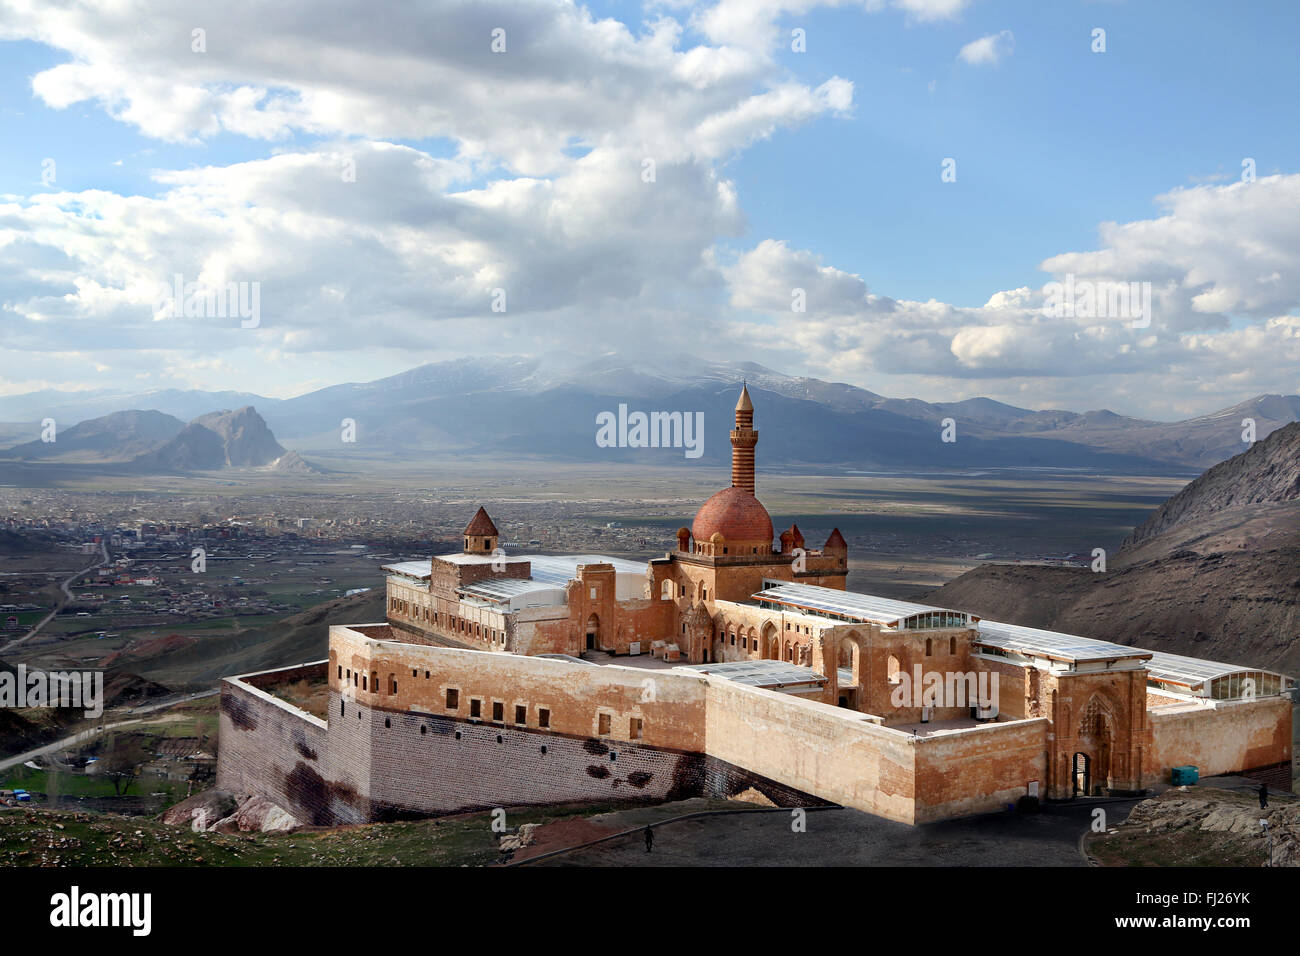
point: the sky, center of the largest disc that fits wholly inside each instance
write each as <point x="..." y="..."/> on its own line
<point x="928" y="198"/>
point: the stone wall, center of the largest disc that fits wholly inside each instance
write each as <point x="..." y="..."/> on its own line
<point x="835" y="754"/>
<point x="272" y="748"/>
<point x="979" y="769"/>
<point x="1220" y="736"/>
<point x="417" y="730"/>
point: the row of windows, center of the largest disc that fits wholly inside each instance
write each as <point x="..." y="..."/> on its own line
<point x="370" y="682"/>
<point x="932" y="620"/>
<point x="666" y="591"/>
<point x="604" y="720"/>
<point x="453" y="623"/>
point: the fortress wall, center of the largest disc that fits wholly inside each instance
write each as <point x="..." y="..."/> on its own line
<point x="832" y="753"/>
<point x="431" y="764"/>
<point x="1220" y="737"/>
<point x="576" y="698"/>
<point x="272" y="748"/>
<point x="979" y="769"/>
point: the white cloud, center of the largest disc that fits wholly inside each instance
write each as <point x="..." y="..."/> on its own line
<point x="988" y="50"/>
<point x="404" y="260"/>
<point x="1219" y="316"/>
<point x="418" y="71"/>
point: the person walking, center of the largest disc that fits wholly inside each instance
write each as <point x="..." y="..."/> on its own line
<point x="1263" y="796"/>
<point x="649" y="839"/>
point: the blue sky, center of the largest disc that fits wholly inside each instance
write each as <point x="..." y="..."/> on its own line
<point x="769" y="174"/>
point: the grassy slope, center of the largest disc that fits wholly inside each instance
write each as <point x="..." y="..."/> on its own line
<point x="295" y="640"/>
<point x="54" y="838"/>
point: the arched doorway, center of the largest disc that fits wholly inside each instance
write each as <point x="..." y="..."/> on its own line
<point x="1082" y="775"/>
<point x="593" y="633"/>
<point x="1095" y="732"/>
<point x="849" y="657"/>
<point x="771" y="646"/>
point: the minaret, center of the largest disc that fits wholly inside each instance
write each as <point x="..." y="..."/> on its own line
<point x="743" y="440"/>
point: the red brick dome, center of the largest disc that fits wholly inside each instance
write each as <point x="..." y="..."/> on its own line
<point x="736" y="514"/>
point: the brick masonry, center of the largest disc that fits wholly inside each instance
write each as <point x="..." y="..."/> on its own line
<point x="370" y="764"/>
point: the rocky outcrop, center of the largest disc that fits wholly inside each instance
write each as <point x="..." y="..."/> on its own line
<point x="226" y="439"/>
<point x="1232" y="816"/>
<point x="219" y="811"/>
<point x="294" y="464"/>
<point x="1267" y="472"/>
<point x="200" y="811"/>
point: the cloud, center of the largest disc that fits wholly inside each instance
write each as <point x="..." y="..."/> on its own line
<point x="587" y="179"/>
<point x="757" y="24"/>
<point x="988" y="50"/>
<point x="420" y="71"/>
<point x="1221" y="312"/>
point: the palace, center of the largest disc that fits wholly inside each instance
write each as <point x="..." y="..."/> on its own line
<point x="739" y="660"/>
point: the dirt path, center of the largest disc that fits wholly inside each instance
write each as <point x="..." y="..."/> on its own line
<point x="67" y="598"/>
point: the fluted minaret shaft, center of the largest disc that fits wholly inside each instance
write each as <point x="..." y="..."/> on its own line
<point x="743" y="440"/>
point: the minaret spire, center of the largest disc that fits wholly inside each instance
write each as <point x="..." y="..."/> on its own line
<point x="743" y="440"/>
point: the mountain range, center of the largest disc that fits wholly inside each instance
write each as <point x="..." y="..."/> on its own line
<point x="546" y="407"/>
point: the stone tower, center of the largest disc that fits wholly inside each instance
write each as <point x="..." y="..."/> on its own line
<point x="743" y="440"/>
<point x="480" y="534"/>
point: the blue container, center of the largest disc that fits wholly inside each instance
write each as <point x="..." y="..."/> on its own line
<point x="1183" y="776"/>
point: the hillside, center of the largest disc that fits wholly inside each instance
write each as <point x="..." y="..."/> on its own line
<point x="295" y="640"/>
<point x="150" y="442"/>
<point x="120" y="436"/>
<point x="224" y="439"/>
<point x="1269" y="471"/>
<point x="1216" y="573"/>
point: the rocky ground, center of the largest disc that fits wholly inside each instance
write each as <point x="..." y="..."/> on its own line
<point x="1203" y="826"/>
<point x="39" y="837"/>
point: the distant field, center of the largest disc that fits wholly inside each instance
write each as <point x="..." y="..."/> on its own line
<point x="907" y="535"/>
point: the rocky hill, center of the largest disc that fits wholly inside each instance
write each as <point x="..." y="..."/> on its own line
<point x="224" y="439"/>
<point x="1269" y="471"/>
<point x="120" y="436"/>
<point x="150" y="442"/>
<point x="1216" y="573"/>
<point x="1203" y="826"/>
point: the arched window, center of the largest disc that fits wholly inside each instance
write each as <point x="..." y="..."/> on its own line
<point x="952" y="645"/>
<point x="929" y="647"/>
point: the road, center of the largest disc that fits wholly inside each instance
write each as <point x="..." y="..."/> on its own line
<point x="843" y="837"/>
<point x="89" y="733"/>
<point x="68" y="597"/>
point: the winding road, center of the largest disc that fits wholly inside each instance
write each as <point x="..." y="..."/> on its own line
<point x="67" y="598"/>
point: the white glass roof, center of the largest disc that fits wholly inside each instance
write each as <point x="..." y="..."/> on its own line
<point x="411" y="569"/>
<point x="504" y="589"/>
<point x="563" y="568"/>
<point x="1052" y="644"/>
<point x="862" y="607"/>
<point x="759" y="673"/>
<point x="1192" y="671"/>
